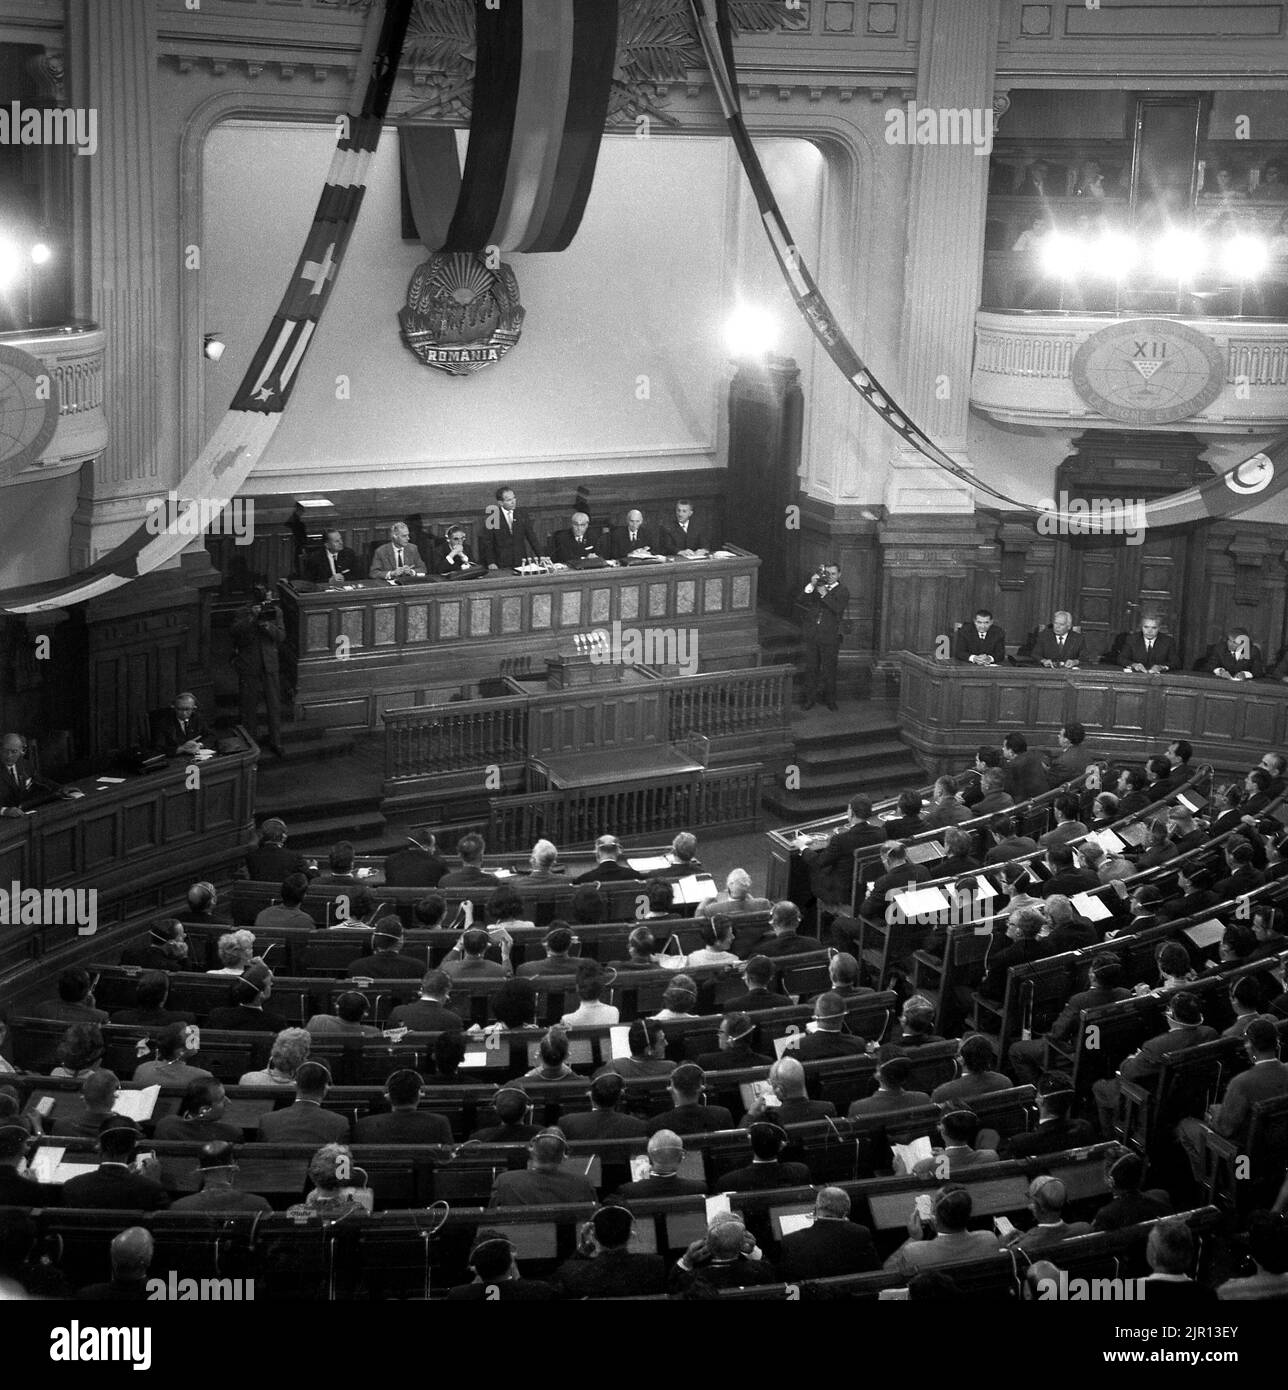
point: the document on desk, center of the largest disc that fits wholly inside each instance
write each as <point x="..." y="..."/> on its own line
<point x="650" y="863"/>
<point x="137" y="1105"/>
<point x="1090" y="906"/>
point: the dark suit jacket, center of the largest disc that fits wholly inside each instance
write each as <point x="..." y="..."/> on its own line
<point x="824" y="614"/>
<point x="611" y="1274"/>
<point x="1164" y="654"/>
<point x="1049" y="1137"/>
<point x="874" y="905"/>
<point x="672" y="1186"/>
<point x="167" y="736"/>
<point x="403" y="1127"/>
<point x="827" y="1248"/>
<point x="425" y="1016"/>
<point x="273" y="863"/>
<point x="303" y="1123"/>
<point x="151" y="1018"/>
<point x="24" y="1192"/>
<point x="507" y="547"/>
<point x="1147" y="1061"/>
<point x="814" y="1046"/>
<point x="468" y="876"/>
<point x="33" y="788"/>
<point x="609" y="872"/>
<point x="734" y="1058"/>
<point x="1047" y="647"/>
<point x="967" y="643"/>
<point x="566" y="549"/>
<point x="255" y="645"/>
<point x="444" y="562"/>
<point x="832" y="867"/>
<point x="1072" y="936"/>
<point x="414" y="868"/>
<point x="115" y="1188"/>
<point x="692" y="1119"/>
<point x="318" y="569"/>
<point x="756" y="1177"/>
<point x="245" y="1019"/>
<point x="1025" y="775"/>
<point x="152" y="957"/>
<point x="788" y="944"/>
<point x="602" y="1124"/>
<point x="1219" y="655"/>
<point x="620" y="546"/>
<point x="1088" y="999"/>
<point x="671" y="540"/>
<point x="1069" y="882"/>
<point x="1236" y="884"/>
<point x="386" y="965"/>
<point x="756" y="999"/>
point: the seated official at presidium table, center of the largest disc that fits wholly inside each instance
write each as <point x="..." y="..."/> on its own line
<point x="398" y="558"/>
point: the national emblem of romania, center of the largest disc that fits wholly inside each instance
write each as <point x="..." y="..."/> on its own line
<point x="461" y="315"/>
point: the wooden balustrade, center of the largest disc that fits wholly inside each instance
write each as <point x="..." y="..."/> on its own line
<point x="730" y="702"/>
<point x="455" y="737"/>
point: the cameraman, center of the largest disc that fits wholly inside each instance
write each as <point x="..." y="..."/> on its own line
<point x="258" y="631"/>
<point x="825" y="602"/>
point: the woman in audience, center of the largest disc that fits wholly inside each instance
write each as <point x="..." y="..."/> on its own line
<point x="449" y="1053"/>
<point x="505" y="909"/>
<point x="661" y="896"/>
<point x="678" y="1000"/>
<point x="591" y="1012"/>
<point x="1174" y="969"/>
<point x="334" y="1195"/>
<point x="554" y="1058"/>
<point x="290" y="1051"/>
<point x="514" y="1006"/>
<point x="736" y="897"/>
<point x="79" y="1052"/>
<point x="200" y="1117"/>
<point x="170" y="1065"/>
<point x="589" y="906"/>
<point x="236" y="951"/>
<point x="716" y="949"/>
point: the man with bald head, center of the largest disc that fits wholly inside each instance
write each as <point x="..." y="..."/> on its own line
<point x="131" y="1259"/>
<point x="545" y="1180"/>
<point x="574" y="545"/>
<point x="727" y="1257"/>
<point x="787" y="1085"/>
<point x="665" y="1155"/>
<point x="397" y="559"/>
<point x="632" y="538"/>
<point x="219" y="1190"/>
<point x="1058" y="645"/>
<point x="21" y="789"/>
<point x="833" y="1244"/>
<point x="180" y="730"/>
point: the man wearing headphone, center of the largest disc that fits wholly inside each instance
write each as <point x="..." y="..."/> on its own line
<point x="21" y="789"/>
<point x="165" y="949"/>
<point x="605" y="1266"/>
<point x="766" y="1168"/>
<point x="17" y="1147"/>
<point x="219" y="1190"/>
<point x="545" y="1180"/>
<point x="496" y="1276"/>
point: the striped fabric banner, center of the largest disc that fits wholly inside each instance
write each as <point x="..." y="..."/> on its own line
<point x="239" y="441"/>
<point x="542" y="81"/>
<point x="1254" y="480"/>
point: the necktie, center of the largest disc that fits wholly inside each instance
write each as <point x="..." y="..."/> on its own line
<point x="1060" y="643"/>
<point x="398" y="556"/>
<point x="330" y="555"/>
<point x="1149" y="647"/>
<point x="633" y="537"/>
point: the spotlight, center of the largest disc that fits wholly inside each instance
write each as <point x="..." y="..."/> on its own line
<point x="1180" y="255"/>
<point x="213" y="346"/>
<point x="751" y="332"/>
<point x="1112" y="256"/>
<point x="1060" y="255"/>
<point x="1245" y="257"/>
<point x="41" y="253"/>
<point x="10" y="263"/>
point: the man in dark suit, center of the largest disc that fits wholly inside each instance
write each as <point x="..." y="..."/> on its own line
<point x="386" y="961"/>
<point x="454" y="557"/>
<point x="545" y="1180"/>
<point x="335" y="564"/>
<point x="605" y="1267"/>
<point x="1023" y="768"/>
<point x="828" y="1038"/>
<point x="665" y="1155"/>
<point x="1071" y="758"/>
<point x="822" y="628"/>
<point x="1055" y="1130"/>
<point x="1066" y="877"/>
<point x="604" y="1120"/>
<point x="1058" y="645"/>
<point x="831" y="868"/>
<point x="1068" y="931"/>
<point x="793" y="1107"/>
<point x="258" y="631"/>
<point x="15" y="1189"/>
<point x="165" y="949"/>
<point x="471" y="848"/>
<point x="899" y="873"/>
<point x="735" y="1052"/>
<point x="131" y="1258"/>
<point x="685" y="533"/>
<point x="496" y="1276"/>
<point x="75" y="1002"/>
<point x="760" y="976"/>
<point x="1148" y="651"/>
<point x="980" y="642"/>
<point x="688" y="1114"/>
<point x="634" y="535"/>
<point x="766" y="1168"/>
<point x="1009" y="844"/>
<point x="1018" y="944"/>
<point x="419" y="865"/>
<point x="832" y="1245"/>
<point x="305" y="1122"/>
<point x="180" y="729"/>
<point x="21" y="787"/>
<point x="1238" y="658"/>
<point x="245" y="1011"/>
<point x="404" y="1124"/>
<point x="118" y="1184"/>
<point x="270" y="861"/>
<point x="507" y="538"/>
<point x="784" y="937"/>
<point x="575" y="545"/>
<point x="149" y="1011"/>
<point x="609" y="867"/>
<point x="429" y="1013"/>
<point x="1243" y="877"/>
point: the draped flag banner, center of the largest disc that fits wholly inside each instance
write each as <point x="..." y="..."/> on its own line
<point x="543" y="77"/>
<point x="1252" y="481"/>
<point x="242" y="436"/>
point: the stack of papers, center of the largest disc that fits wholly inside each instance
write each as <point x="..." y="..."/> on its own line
<point x="694" y="888"/>
<point x="650" y="864"/>
<point x="137" y="1105"/>
<point x="1091" y="906"/>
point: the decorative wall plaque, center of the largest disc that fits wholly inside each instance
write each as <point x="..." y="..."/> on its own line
<point x="460" y="315"/>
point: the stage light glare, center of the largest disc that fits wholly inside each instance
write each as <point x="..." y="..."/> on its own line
<point x="10" y="263"/>
<point x="213" y="346"/>
<point x="751" y="332"/>
<point x="1113" y="255"/>
<point x="1180" y="255"/>
<point x="1060" y="255"/>
<point x="41" y="253"/>
<point x="1245" y="257"/>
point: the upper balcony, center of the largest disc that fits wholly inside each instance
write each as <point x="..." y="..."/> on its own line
<point x="51" y="401"/>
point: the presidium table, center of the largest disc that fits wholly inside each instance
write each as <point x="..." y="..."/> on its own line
<point x="947" y="709"/>
<point x="355" y="652"/>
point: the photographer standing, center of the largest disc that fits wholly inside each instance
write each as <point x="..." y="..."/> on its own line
<point x="825" y="602"/>
<point x="258" y="631"/>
